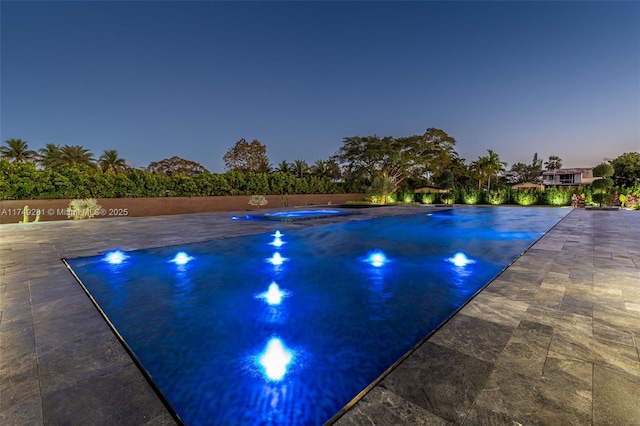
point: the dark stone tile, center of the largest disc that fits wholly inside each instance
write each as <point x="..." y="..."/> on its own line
<point x="75" y="348"/>
<point x="475" y="337"/>
<point x="615" y="397"/>
<point x="382" y="407"/>
<point x="440" y="380"/>
<point x="480" y="416"/>
<point x="581" y="346"/>
<point x="577" y="306"/>
<point x="495" y="308"/>
<point x="562" y="395"/>
<point x="527" y="349"/>
<point x="122" y="397"/>
<point x="25" y="413"/>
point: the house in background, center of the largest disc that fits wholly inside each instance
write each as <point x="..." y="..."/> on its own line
<point x="568" y="177"/>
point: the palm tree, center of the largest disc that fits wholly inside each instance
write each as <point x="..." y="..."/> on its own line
<point x="554" y="163"/>
<point x="320" y="169"/>
<point x="494" y="166"/>
<point x="284" y="167"/>
<point x="300" y="168"/>
<point x="110" y="160"/>
<point x="49" y="156"/>
<point x="18" y="151"/>
<point x="73" y="155"/>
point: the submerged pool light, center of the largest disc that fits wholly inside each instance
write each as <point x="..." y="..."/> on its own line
<point x="273" y="296"/>
<point x="276" y="259"/>
<point x="275" y="359"/>
<point x="181" y="258"/>
<point x="277" y="242"/>
<point x="460" y="260"/>
<point x="277" y="234"/>
<point x="377" y="259"/>
<point x="115" y="257"/>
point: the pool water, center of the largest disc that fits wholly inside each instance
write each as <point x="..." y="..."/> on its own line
<point x="295" y="215"/>
<point x="287" y="328"/>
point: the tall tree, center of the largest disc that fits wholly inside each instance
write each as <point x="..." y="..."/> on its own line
<point x="17" y="151"/>
<point x="176" y="166"/>
<point x="49" y="156"/>
<point x="325" y="169"/>
<point x="247" y="157"/>
<point x="284" y="167"/>
<point x="553" y="163"/>
<point x="111" y="161"/>
<point x="397" y="159"/>
<point x="627" y="169"/>
<point x="73" y="155"/>
<point x="300" y="168"/>
<point x="521" y="172"/>
<point x="494" y="166"/>
<point x="488" y="166"/>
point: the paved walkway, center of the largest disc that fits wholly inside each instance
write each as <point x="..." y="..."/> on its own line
<point x="554" y="340"/>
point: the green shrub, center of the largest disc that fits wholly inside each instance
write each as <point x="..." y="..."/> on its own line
<point x="496" y="197"/>
<point x="471" y="196"/>
<point x="525" y="198"/>
<point x="558" y="197"/>
<point x="447" y="198"/>
<point x="428" y="198"/>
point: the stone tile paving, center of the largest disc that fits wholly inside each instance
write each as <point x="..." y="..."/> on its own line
<point x="555" y="339"/>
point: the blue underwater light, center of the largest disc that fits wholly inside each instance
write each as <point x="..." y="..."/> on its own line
<point x="460" y="260"/>
<point x="377" y="259"/>
<point x="181" y="258"/>
<point x="276" y="259"/>
<point x="115" y="257"/>
<point x="275" y="359"/>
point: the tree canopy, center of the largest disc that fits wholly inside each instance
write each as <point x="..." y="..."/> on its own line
<point x="17" y="151"/>
<point x="627" y="168"/>
<point x="245" y="157"/>
<point x="396" y="159"/>
<point x="176" y="166"/>
<point x="111" y="161"/>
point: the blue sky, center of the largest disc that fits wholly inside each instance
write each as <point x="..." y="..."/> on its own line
<point x="157" y="79"/>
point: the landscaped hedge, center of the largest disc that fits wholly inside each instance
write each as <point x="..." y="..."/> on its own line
<point x="25" y="181"/>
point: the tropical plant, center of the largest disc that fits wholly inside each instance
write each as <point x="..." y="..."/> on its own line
<point x="73" y="155"/>
<point x="496" y="197"/>
<point x="17" y="151"/>
<point x="111" y="161"/>
<point x="257" y="200"/>
<point x="284" y="167"/>
<point x="471" y="196"/>
<point x="382" y="188"/>
<point x="428" y="198"/>
<point x="300" y="168"/>
<point x="553" y="163"/>
<point x="49" y="156"/>
<point x="447" y="197"/>
<point x="525" y="198"/>
<point x="86" y="208"/>
<point x="558" y="197"/>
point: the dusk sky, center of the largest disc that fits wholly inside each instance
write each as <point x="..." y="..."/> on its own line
<point x="157" y="79"/>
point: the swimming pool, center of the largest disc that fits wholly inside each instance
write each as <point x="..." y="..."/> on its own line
<point x="288" y="329"/>
<point x="295" y="215"/>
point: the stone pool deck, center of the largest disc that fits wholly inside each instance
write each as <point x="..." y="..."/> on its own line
<point x="553" y="340"/>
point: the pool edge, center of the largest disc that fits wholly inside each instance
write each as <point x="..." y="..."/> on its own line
<point x="147" y="376"/>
